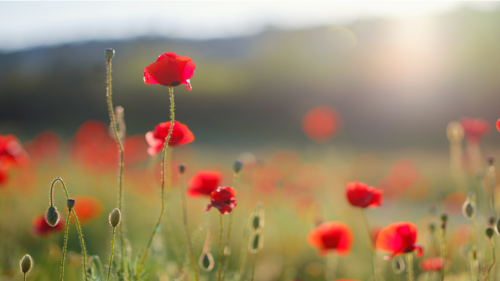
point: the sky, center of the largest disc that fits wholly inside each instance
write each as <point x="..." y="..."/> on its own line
<point x="31" y="24"/>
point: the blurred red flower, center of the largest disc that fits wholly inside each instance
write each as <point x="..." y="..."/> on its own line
<point x="432" y="264"/>
<point x="42" y="228"/>
<point x="498" y="125"/>
<point x="331" y="236"/>
<point x="45" y="146"/>
<point x="475" y="129"/>
<point x="453" y="202"/>
<point x="156" y="139"/>
<point x="224" y="199"/>
<point x="399" y="238"/>
<point x="135" y="150"/>
<point x="4" y="176"/>
<point x="403" y="174"/>
<point x="12" y="152"/>
<point x="363" y="196"/>
<point x="321" y="123"/>
<point x="87" y="208"/>
<point x="204" y="183"/>
<point x="170" y="70"/>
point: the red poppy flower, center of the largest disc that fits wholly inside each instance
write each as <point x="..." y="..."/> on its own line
<point x="361" y="195"/>
<point x="12" y="152"/>
<point x="45" y="146"/>
<point x="170" y="70"/>
<point x="475" y="129"/>
<point x="224" y="199"/>
<point x="203" y="183"/>
<point x="42" y="228"/>
<point x="4" y="176"/>
<point x="399" y="238"/>
<point x="498" y="125"/>
<point x="156" y="139"/>
<point x="432" y="264"/>
<point x="331" y="236"/>
<point x="87" y="208"/>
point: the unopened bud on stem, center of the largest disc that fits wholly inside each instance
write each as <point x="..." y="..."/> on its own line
<point x="115" y="217"/>
<point x="26" y="264"/>
<point x="489" y="232"/>
<point x="70" y="203"/>
<point x="182" y="168"/>
<point x="52" y="216"/>
<point x="237" y="166"/>
<point x="110" y="53"/>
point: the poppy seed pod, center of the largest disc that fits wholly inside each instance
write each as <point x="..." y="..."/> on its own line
<point x="115" y="217"/>
<point x="256" y="242"/>
<point x="444" y="217"/>
<point x="52" y="216"/>
<point x="497" y="227"/>
<point x="489" y="232"/>
<point x="110" y="53"/>
<point x="206" y="261"/>
<point x="26" y="263"/>
<point x="237" y="166"/>
<point x="182" y="168"/>
<point x="258" y="218"/>
<point x="398" y="265"/>
<point x="70" y="203"/>
<point x="468" y="209"/>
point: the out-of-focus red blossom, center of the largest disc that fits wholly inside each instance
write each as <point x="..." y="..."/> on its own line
<point x="284" y="161"/>
<point x="331" y="236"/>
<point x="398" y="239"/>
<point x="321" y="123"/>
<point x="363" y="196"/>
<point x="453" y="203"/>
<point x="4" y="176"/>
<point x="203" y="183"/>
<point x="375" y="231"/>
<point x="224" y="199"/>
<point x="475" y="129"/>
<point x="170" y="70"/>
<point x="87" y="208"/>
<point x="266" y="179"/>
<point x="403" y="174"/>
<point x="460" y="236"/>
<point x="156" y="139"/>
<point x="432" y="264"/>
<point x="135" y="150"/>
<point x="498" y="125"/>
<point x="46" y="146"/>
<point x="12" y="152"/>
<point x="42" y="228"/>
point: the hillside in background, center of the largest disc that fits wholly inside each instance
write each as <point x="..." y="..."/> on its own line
<point x="395" y="85"/>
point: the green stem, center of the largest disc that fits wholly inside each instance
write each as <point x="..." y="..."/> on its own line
<point x="254" y="265"/>
<point x="164" y="157"/>
<point x="365" y="221"/>
<point x="491" y="173"/>
<point x="488" y="270"/>
<point x="120" y="173"/>
<point x="221" y="236"/>
<point x="78" y="227"/>
<point x="65" y="246"/>
<point x="409" y="267"/>
<point x="227" y="249"/>
<point x="112" y="249"/>
<point x="243" y="253"/>
<point x="186" y="228"/>
<point x="443" y="252"/>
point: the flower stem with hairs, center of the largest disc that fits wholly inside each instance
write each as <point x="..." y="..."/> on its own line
<point x="221" y="236"/>
<point x="227" y="249"/>
<point x="111" y="254"/>
<point x="164" y="157"/>
<point x="78" y="226"/>
<point x="365" y="221"/>
<point x="493" y="252"/>
<point x="186" y="228"/>
<point x="65" y="246"/>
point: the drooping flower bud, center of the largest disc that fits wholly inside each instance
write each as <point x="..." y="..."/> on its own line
<point x="237" y="166"/>
<point x="110" y="53"/>
<point x="70" y="203"/>
<point x="182" y="168"/>
<point x="489" y="232"/>
<point x="206" y="261"/>
<point x="26" y="263"/>
<point x="52" y="216"/>
<point x="256" y="242"/>
<point x="468" y="209"/>
<point x="115" y="217"/>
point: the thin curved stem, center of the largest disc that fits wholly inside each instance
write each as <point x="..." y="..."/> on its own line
<point x="65" y="246"/>
<point x="186" y="228"/>
<point x="221" y="236"/>
<point x="78" y="227"/>
<point x="112" y="249"/>
<point x="120" y="173"/>
<point x="164" y="157"/>
<point x="365" y="221"/>
<point x="227" y="249"/>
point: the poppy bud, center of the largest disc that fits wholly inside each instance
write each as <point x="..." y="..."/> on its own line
<point x="444" y="217"/>
<point x="256" y="242"/>
<point x="115" y="217"/>
<point x="206" y="261"/>
<point x="491" y="221"/>
<point x="182" y="168"/>
<point x="52" y="216"/>
<point x="497" y="227"/>
<point x="490" y="160"/>
<point x="468" y="209"/>
<point x="432" y="227"/>
<point x="110" y="53"/>
<point x="489" y="232"/>
<point x="237" y="165"/>
<point x="70" y="203"/>
<point x="398" y="265"/>
<point x="26" y="263"/>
